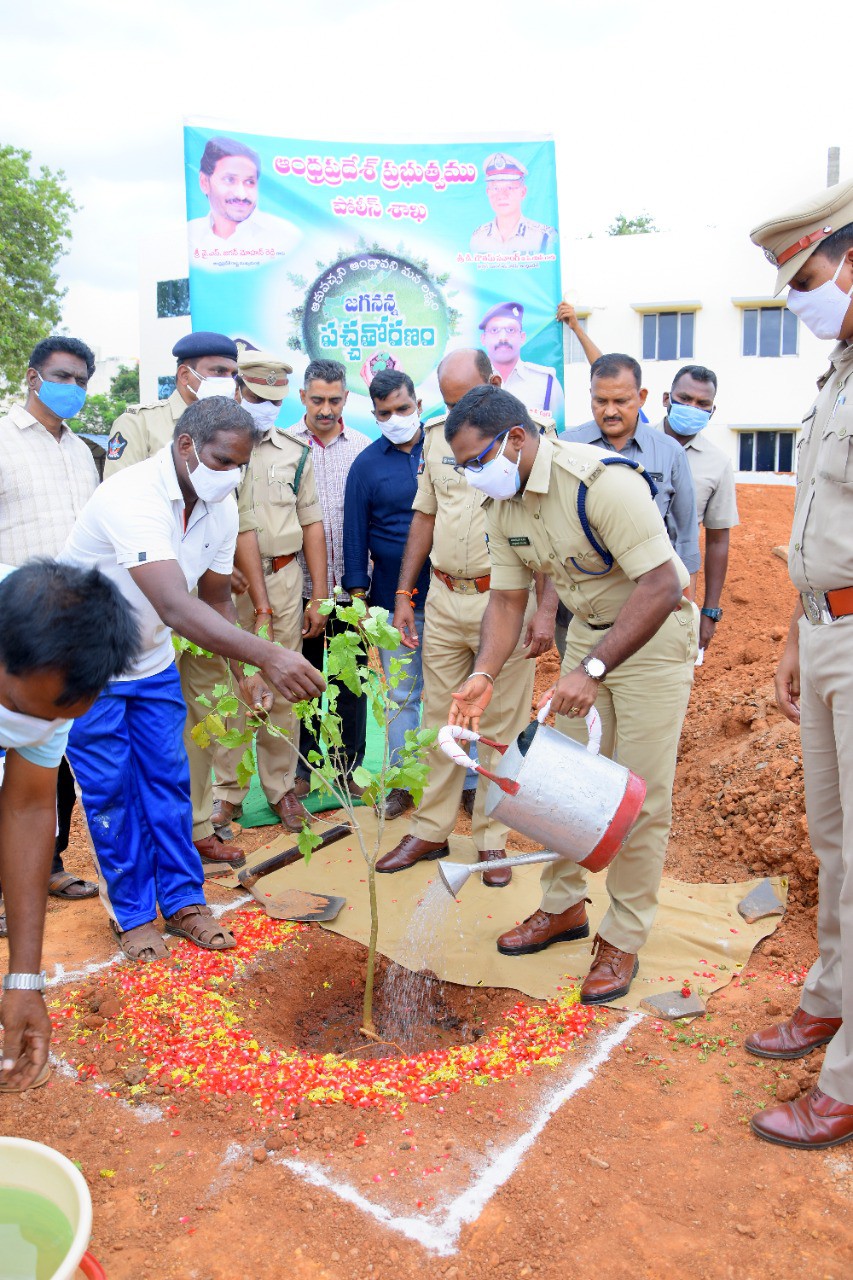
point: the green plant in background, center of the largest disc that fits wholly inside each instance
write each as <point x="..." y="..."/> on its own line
<point x="352" y="660"/>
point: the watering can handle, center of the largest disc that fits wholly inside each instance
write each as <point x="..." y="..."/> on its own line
<point x="593" y="726"/>
<point x="449" y="737"/>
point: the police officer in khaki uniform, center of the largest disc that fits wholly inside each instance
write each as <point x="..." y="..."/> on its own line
<point x="509" y="231"/>
<point x="631" y="648"/>
<point x="450" y="529"/>
<point x="289" y="517"/>
<point x="812" y="248"/>
<point x="207" y="365"/>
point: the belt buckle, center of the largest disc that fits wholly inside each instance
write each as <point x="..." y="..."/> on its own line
<point x="467" y="587"/>
<point x="816" y="608"/>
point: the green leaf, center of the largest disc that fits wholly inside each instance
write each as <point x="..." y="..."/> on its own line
<point x="215" y="725"/>
<point x="200" y="736"/>
<point x="228" y="705"/>
<point x="307" y="842"/>
<point x="220" y="690"/>
<point x="235" y="738"/>
<point x="362" y="777"/>
<point x="204" y="700"/>
<point x="249" y="670"/>
<point x="325" y="607"/>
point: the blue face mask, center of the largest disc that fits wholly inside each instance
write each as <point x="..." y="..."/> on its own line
<point x="65" y="399"/>
<point x="686" y="420"/>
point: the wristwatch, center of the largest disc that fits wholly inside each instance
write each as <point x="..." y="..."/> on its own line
<point x="713" y="614"/>
<point x="25" y="981"/>
<point x="594" y="667"/>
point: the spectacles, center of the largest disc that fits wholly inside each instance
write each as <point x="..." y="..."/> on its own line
<point x="476" y="464"/>
<point x="495" y="330"/>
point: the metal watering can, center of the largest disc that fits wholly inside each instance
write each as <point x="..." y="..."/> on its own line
<point x="579" y="804"/>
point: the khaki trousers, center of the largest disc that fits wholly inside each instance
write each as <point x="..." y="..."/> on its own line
<point x="826" y="728"/>
<point x="276" y="757"/>
<point x="198" y="676"/>
<point x="642" y="705"/>
<point x="450" y="642"/>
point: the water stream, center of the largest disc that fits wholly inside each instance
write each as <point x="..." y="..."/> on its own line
<point x="411" y="991"/>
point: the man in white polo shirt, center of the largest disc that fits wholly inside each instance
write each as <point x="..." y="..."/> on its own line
<point x="159" y="529"/>
<point x="63" y="635"/>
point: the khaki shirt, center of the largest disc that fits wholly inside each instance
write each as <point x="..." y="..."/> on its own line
<point x="820" y="555"/>
<point x="713" y="482"/>
<point x="540" y="531"/>
<point x="280" y="514"/>
<point x="459" y="538"/>
<point x="144" y="429"/>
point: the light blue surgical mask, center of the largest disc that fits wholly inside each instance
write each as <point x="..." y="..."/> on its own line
<point x="65" y="399"/>
<point x="686" y="419"/>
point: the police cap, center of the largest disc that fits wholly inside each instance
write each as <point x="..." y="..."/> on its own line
<point x="264" y="374"/>
<point x="790" y="237"/>
<point x="195" y="345"/>
<point x="510" y="310"/>
<point x="502" y="167"/>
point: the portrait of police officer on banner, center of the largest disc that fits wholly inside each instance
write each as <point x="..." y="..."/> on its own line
<point x="536" y="385"/>
<point x="509" y="231"/>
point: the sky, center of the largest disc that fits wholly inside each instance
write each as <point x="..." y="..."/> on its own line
<point x="698" y="114"/>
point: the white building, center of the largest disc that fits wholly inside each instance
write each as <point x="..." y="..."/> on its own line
<point x="667" y="299"/>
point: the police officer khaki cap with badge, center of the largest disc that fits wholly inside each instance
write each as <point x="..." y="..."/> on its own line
<point x="502" y="167"/>
<point x="264" y="374"/>
<point x="510" y="310"/>
<point x="789" y="238"/>
<point x="203" y="343"/>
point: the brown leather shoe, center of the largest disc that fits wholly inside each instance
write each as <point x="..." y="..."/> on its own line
<point x="543" y="929"/>
<point x="813" y="1121"/>
<point x="469" y="796"/>
<point x="610" y="974"/>
<point x="301" y="788"/>
<point x="290" y="812"/>
<point x="397" y="801"/>
<point x="792" y="1039"/>
<point x="217" y="857"/>
<point x="409" y="851"/>
<point x="501" y="876"/>
<point x="224" y="812"/>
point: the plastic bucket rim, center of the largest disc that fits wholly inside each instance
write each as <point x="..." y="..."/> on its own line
<point x="83" y="1233"/>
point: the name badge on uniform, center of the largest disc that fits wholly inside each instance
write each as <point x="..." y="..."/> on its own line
<point x="449" y="462"/>
<point x="421" y="466"/>
<point x="519" y="542"/>
<point x="657" y="476"/>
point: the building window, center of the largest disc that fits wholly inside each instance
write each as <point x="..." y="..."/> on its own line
<point x="769" y="331"/>
<point x="173" y="298"/>
<point x="668" y="335"/>
<point x="165" y="386"/>
<point x="575" y="353"/>
<point x="766" y="451"/>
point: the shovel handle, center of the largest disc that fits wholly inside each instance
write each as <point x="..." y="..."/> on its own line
<point x="252" y="875"/>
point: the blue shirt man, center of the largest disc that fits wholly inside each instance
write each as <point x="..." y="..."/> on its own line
<point x="617" y="400"/>
<point x="381" y="488"/>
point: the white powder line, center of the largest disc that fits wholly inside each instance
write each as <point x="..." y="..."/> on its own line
<point x="220" y="908"/>
<point x="61" y="976"/>
<point x="441" y="1236"/>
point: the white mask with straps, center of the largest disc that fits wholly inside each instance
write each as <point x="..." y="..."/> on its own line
<point x="210" y="485"/>
<point x="399" y="429"/>
<point x="822" y="310"/>
<point x="264" y="413"/>
<point x="208" y="387"/>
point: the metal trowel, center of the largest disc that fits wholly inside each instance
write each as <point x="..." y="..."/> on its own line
<point x="294" y="904"/>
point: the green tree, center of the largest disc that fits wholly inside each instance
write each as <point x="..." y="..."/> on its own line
<point x="35" y="214"/>
<point x="623" y="226"/>
<point x="100" y="412"/>
<point x="125" y="384"/>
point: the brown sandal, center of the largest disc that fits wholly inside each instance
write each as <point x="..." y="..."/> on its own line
<point x="197" y="924"/>
<point x="145" y="943"/>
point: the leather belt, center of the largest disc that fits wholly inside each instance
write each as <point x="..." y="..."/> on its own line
<point x="599" y="626"/>
<point x="827" y="606"/>
<point x="467" y="586"/>
<point x="272" y="564"/>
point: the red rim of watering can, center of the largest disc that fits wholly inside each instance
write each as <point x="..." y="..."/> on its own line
<point x="621" y="823"/>
<point x="91" y="1268"/>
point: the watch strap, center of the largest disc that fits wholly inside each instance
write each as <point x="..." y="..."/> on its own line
<point x="25" y="981"/>
<point x="713" y="614"/>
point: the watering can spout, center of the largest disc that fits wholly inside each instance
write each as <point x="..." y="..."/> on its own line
<point x="454" y="875"/>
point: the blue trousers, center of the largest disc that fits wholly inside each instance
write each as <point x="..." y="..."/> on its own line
<point x="407" y="695"/>
<point x="128" y="755"/>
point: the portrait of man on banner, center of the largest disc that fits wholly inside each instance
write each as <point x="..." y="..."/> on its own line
<point x="509" y="230"/>
<point x="235" y="233"/>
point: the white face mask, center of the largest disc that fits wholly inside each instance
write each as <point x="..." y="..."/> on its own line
<point x="499" y="478"/>
<point x="208" y="387"/>
<point x="17" y="730"/>
<point x="210" y="485"/>
<point x="401" y="430"/>
<point x="822" y="309"/>
<point x="264" y="413"/>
